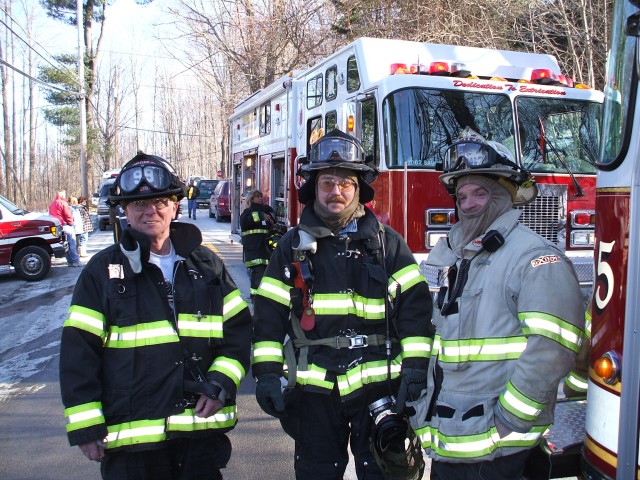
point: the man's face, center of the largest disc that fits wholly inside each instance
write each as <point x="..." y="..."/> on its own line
<point x="472" y="198"/>
<point x="152" y="217"/>
<point x="334" y="192"/>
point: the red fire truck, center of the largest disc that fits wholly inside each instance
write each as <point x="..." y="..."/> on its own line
<point x="613" y="397"/>
<point x="407" y="101"/>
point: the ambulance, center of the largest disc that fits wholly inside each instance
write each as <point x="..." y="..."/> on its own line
<point x="407" y="102"/>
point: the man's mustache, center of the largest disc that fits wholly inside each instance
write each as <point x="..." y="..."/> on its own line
<point x="336" y="199"/>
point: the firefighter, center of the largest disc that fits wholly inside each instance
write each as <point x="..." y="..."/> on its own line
<point x="156" y="341"/>
<point x="507" y="325"/>
<point x="256" y="221"/>
<point x="345" y="294"/>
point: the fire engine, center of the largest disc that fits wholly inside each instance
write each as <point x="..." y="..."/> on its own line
<point x="407" y="102"/>
<point x="613" y="395"/>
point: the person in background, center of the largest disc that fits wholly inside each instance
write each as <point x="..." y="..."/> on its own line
<point x="255" y="222"/>
<point x="343" y="303"/>
<point x="156" y="342"/>
<point x="87" y="226"/>
<point x="60" y="209"/>
<point x="78" y="224"/>
<point x="508" y="323"/>
<point x="192" y="198"/>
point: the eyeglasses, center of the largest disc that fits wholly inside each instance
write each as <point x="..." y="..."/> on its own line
<point x="142" y="205"/>
<point x="156" y="177"/>
<point x="328" y="184"/>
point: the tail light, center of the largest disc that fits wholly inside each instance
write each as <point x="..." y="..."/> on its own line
<point x="607" y="367"/>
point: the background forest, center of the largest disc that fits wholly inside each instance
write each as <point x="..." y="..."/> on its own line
<point x="230" y="48"/>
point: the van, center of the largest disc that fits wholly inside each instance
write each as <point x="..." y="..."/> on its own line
<point x="103" y="206"/>
<point x="206" y="188"/>
<point x="220" y="201"/>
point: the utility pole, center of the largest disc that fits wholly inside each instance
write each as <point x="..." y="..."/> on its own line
<point x="82" y="104"/>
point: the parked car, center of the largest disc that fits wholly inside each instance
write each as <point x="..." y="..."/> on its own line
<point x="103" y="207"/>
<point x="28" y="241"/>
<point x="206" y="188"/>
<point x="220" y="201"/>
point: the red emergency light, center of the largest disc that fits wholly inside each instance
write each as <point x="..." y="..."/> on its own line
<point x="399" y="68"/>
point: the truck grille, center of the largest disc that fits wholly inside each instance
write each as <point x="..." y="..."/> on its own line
<point x="546" y="215"/>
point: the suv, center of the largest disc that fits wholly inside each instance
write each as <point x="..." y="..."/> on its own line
<point x="103" y="205"/>
<point x="28" y="241"/>
<point x="206" y="188"/>
<point x="220" y="201"/>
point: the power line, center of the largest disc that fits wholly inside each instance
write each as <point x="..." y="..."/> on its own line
<point x="37" y="80"/>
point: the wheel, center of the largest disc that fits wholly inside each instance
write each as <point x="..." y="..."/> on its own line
<point x="102" y="226"/>
<point x="32" y="263"/>
<point x="211" y="215"/>
<point x="218" y="217"/>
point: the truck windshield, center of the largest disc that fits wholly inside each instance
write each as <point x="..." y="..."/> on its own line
<point x="11" y="207"/>
<point x="421" y="123"/>
<point x="557" y="135"/>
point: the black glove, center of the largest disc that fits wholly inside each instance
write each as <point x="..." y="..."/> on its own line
<point x="269" y="395"/>
<point x="412" y="382"/>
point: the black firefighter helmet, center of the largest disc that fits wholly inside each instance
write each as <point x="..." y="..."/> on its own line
<point x="337" y="150"/>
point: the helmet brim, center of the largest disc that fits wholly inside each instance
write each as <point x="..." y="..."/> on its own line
<point x="526" y="192"/>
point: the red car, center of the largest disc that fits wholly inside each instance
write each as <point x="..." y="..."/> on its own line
<point x="220" y="201"/>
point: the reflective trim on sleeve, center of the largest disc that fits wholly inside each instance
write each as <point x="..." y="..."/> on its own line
<point x="268" y="352"/>
<point x="406" y="277"/>
<point x="141" y="335"/>
<point x="275" y="290"/>
<point x="83" y="416"/>
<point x="233" y="304"/>
<point x="519" y="405"/>
<point x="416" y="347"/>
<point x="552" y="327"/>
<point x="86" y="319"/>
<point x="230" y="368"/>
<point x="257" y="261"/>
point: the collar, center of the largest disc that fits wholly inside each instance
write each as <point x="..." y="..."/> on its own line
<point x="363" y="227"/>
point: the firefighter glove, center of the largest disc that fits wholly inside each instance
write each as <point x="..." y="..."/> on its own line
<point x="269" y="395"/>
<point x="412" y="382"/>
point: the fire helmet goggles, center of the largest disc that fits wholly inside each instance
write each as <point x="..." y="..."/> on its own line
<point x="472" y="155"/>
<point x="337" y="150"/>
<point x="146" y="176"/>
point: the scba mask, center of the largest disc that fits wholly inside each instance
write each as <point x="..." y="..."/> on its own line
<point x="155" y="177"/>
<point x="395" y="447"/>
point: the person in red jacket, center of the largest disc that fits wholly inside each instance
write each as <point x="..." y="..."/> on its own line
<point x="60" y="209"/>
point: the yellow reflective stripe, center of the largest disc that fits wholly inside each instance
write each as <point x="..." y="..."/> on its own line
<point x="576" y="382"/>
<point x="132" y="433"/>
<point x="86" y="319"/>
<point x="259" y="230"/>
<point x="201" y="326"/>
<point x="479" y="349"/>
<point x="587" y="324"/>
<point x="366" y="373"/>
<point x="233" y="304"/>
<point x="552" y="327"/>
<point x="519" y="405"/>
<point x="348" y="304"/>
<point x="314" y="376"/>
<point x="477" y="445"/>
<point x="416" y="347"/>
<point x="257" y="261"/>
<point x="268" y="352"/>
<point x="188" y="421"/>
<point x="141" y="335"/>
<point x="229" y="367"/>
<point x="83" y="416"/>
<point x="406" y="277"/>
<point x="275" y="290"/>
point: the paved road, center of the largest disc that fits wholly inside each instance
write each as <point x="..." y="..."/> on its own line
<point x="33" y="444"/>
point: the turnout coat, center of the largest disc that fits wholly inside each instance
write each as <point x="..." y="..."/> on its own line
<point x="123" y="352"/>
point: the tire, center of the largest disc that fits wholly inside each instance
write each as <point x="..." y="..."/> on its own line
<point x="102" y="226"/>
<point x="32" y="263"/>
<point x="218" y="217"/>
<point x="211" y="215"/>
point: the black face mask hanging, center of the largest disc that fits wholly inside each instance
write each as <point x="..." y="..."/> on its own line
<point x="491" y="242"/>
